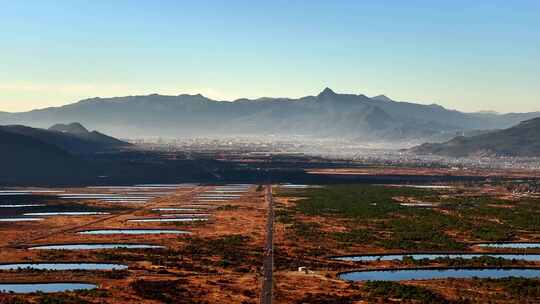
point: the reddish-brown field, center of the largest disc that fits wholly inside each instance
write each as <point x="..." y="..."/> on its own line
<point x="201" y="277"/>
<point x="221" y="260"/>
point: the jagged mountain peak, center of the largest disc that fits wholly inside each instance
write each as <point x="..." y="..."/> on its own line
<point x="327" y="92"/>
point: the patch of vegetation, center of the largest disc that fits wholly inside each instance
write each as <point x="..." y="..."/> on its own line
<point x="521" y="288"/>
<point x="116" y="274"/>
<point x="228" y="207"/>
<point x="362" y="202"/>
<point x="394" y="290"/>
<point x="420" y="233"/>
<point x="354" y="236"/>
<point x="483" y="261"/>
<point x="319" y="298"/>
<point x="168" y="292"/>
<point x="93" y="293"/>
<point x="307" y="230"/>
<point x="13" y="300"/>
<point x="367" y="205"/>
<point x="409" y="228"/>
<point x="285" y="260"/>
<point x="493" y="233"/>
<point x="233" y="250"/>
<point x="61" y="298"/>
<point x="52" y="255"/>
<point x="284" y="216"/>
<point x="491" y="222"/>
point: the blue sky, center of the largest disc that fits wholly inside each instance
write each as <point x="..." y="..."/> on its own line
<point x="467" y="55"/>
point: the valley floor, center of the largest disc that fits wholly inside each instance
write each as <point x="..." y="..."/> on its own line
<point x="219" y="256"/>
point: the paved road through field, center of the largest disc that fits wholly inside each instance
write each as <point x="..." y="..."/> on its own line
<point x="268" y="262"/>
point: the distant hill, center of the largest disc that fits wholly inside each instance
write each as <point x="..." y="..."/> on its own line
<point x="326" y="115"/>
<point x="72" y="128"/>
<point x="100" y="139"/>
<point x="73" y="138"/>
<point x="30" y="156"/>
<point x="24" y="157"/>
<point x="521" y="140"/>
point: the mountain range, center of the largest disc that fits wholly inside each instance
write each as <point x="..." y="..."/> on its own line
<point x="521" y="140"/>
<point x="326" y="115"/>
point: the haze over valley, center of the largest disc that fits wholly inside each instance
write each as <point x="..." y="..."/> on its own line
<point x="327" y="115"/>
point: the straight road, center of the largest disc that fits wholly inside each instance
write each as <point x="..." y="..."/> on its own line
<point x="268" y="262"/>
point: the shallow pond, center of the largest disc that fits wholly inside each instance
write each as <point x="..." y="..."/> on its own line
<point x="433" y="187"/>
<point x="218" y="192"/>
<point x="94" y="246"/>
<point x="431" y="274"/>
<point x="63" y="266"/>
<point x="124" y="201"/>
<point x="201" y="206"/>
<point x="108" y="197"/>
<point x="400" y="257"/>
<point x="197" y="215"/>
<point x="72" y="213"/>
<point x="419" y="205"/>
<point x="510" y="245"/>
<point x="22" y="205"/>
<point x="21" y="219"/>
<point x="44" y="287"/>
<point x="150" y="220"/>
<point x="176" y="209"/>
<point x="133" y="231"/>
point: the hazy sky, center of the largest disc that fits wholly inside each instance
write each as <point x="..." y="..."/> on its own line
<point x="467" y="55"/>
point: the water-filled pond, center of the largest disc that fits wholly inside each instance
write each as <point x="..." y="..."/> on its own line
<point x="400" y="257"/>
<point x="20" y="219"/>
<point x="94" y="246"/>
<point x="298" y="186"/>
<point x="510" y="245"/>
<point x="142" y="187"/>
<point x="151" y="220"/>
<point x="44" y="287"/>
<point x="108" y="197"/>
<point x="219" y="192"/>
<point x="219" y="195"/>
<point x="176" y="209"/>
<point x="133" y="231"/>
<point x="432" y="187"/>
<point x="168" y="185"/>
<point x="125" y="201"/>
<point x="431" y="274"/>
<point x="67" y="213"/>
<point x="200" y="206"/>
<point x="63" y="266"/>
<point x="22" y="205"/>
<point x="151" y="193"/>
<point x="29" y="191"/>
<point x="419" y="205"/>
<point x="197" y="215"/>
